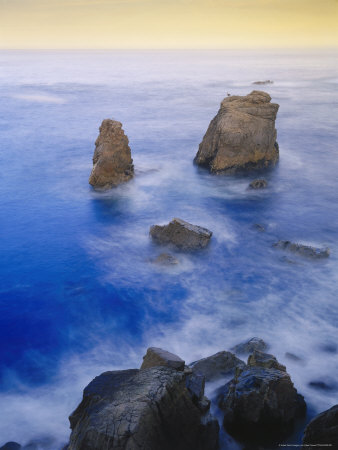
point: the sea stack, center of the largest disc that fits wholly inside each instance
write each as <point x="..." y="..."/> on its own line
<point x="112" y="162"/>
<point x="242" y="136"/>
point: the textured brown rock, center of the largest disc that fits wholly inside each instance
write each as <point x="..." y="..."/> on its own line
<point x="242" y="136"/>
<point x="112" y="163"/>
<point x="149" y="409"/>
<point x="303" y="250"/>
<point x="158" y="357"/>
<point x="181" y="234"/>
<point x="258" y="184"/>
<point x="247" y="347"/>
<point x="260" y="359"/>
<point x="323" y="429"/>
<point x="217" y="366"/>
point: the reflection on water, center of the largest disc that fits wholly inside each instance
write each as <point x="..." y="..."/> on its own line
<point x="79" y="294"/>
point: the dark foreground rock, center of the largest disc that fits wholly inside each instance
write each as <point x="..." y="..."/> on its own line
<point x="158" y="357"/>
<point x="217" y="366"/>
<point x="11" y="446"/>
<point x="247" y="347"/>
<point x="303" y="250"/>
<point x="261" y="404"/>
<point x="242" y="136"/>
<point x="258" y="184"/>
<point x="181" y="234"/>
<point x="323" y="429"/>
<point x="112" y="163"/>
<point x="149" y="409"/>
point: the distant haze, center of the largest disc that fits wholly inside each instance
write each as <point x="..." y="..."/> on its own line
<point x="168" y="23"/>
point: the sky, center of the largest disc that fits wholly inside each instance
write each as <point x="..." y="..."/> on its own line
<point x="121" y="24"/>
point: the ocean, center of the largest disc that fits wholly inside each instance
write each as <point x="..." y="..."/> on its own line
<point x="79" y="294"/>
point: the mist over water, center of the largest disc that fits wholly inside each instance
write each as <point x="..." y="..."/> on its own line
<point x="78" y="292"/>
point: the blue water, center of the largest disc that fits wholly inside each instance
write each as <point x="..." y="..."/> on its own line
<point x="79" y="294"/>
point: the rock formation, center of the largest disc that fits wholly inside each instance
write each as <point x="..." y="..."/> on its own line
<point x="260" y="359"/>
<point x="242" y="136"/>
<point x="258" y="184"/>
<point x="154" y="408"/>
<point x="216" y="366"/>
<point x="112" y="163"/>
<point x="260" y="403"/>
<point x="165" y="259"/>
<point x="247" y="347"/>
<point x="303" y="250"/>
<point x="181" y="234"/>
<point x="263" y="82"/>
<point x="323" y="429"/>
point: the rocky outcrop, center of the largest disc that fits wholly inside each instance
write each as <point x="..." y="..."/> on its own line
<point x="181" y="234"/>
<point x="112" y="163"/>
<point x="242" y="136"/>
<point x="260" y="403"/>
<point x="323" y="429"/>
<point x="303" y="250"/>
<point x="154" y="408"/>
<point x="263" y="82"/>
<point x="258" y="184"/>
<point x="265" y="360"/>
<point x="217" y="366"/>
<point x="11" y="446"/>
<point x="247" y="347"/>
<point x="156" y="357"/>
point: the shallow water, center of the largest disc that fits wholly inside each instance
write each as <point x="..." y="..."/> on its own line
<point x="78" y="293"/>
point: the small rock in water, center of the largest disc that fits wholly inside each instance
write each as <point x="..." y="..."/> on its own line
<point x="158" y="357"/>
<point x="217" y="366"/>
<point x="322" y="386"/>
<point x="11" y="446"/>
<point x="263" y="82"/>
<point x="303" y="250"/>
<point x="259" y="227"/>
<point x="258" y="184"/>
<point x="292" y="357"/>
<point x="323" y="429"/>
<point x="165" y="259"/>
<point x="181" y="234"/>
<point x="250" y="346"/>
<point x="112" y="163"/>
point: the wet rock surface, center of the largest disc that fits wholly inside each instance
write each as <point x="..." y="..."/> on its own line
<point x="216" y="366"/>
<point x="247" y="347"/>
<point x="303" y="250"/>
<point x="260" y="404"/>
<point x="153" y="408"/>
<point x="265" y="360"/>
<point x="181" y="234"/>
<point x="112" y="163"/>
<point x="242" y="136"/>
<point x="323" y="429"/>
<point x="165" y="259"/>
<point x="158" y="357"/>
<point x="258" y="184"/>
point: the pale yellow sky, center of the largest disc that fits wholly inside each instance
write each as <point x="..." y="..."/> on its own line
<point x="168" y="23"/>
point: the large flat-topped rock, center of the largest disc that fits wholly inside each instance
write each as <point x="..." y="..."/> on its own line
<point x="242" y="136"/>
<point x="181" y="234"/>
<point x="112" y="163"/>
<point x="159" y="357"/>
<point x="217" y="366"/>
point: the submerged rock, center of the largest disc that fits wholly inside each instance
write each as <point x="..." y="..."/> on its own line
<point x="323" y="429"/>
<point x="165" y="259"/>
<point x="263" y="82"/>
<point x="293" y="357"/>
<point x="258" y="184"/>
<point x="259" y="227"/>
<point x="261" y="404"/>
<point x="217" y="366"/>
<point x="247" y="347"/>
<point x="242" y="136"/>
<point x="143" y="409"/>
<point x="303" y="250"/>
<point x="158" y="357"/>
<point x="112" y="163"/>
<point x="181" y="234"/>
